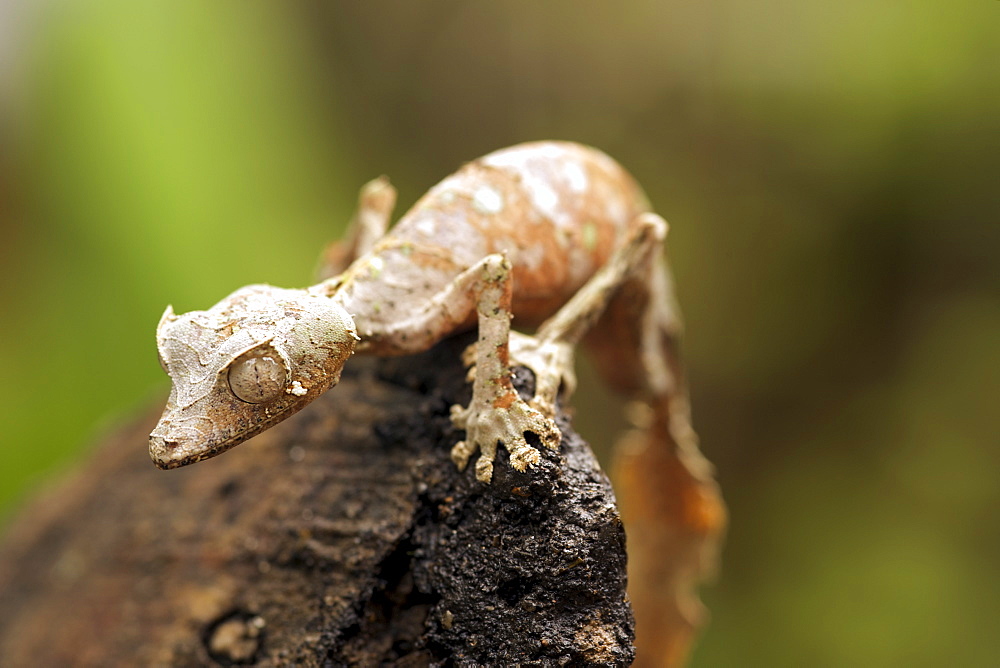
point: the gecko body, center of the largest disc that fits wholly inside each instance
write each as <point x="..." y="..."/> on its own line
<point x="552" y="234"/>
<point x="526" y="226"/>
<point x="556" y="211"/>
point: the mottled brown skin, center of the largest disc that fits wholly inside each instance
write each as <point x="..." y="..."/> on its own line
<point x="446" y="232"/>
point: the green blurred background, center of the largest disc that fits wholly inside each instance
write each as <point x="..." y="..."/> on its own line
<point x="830" y="171"/>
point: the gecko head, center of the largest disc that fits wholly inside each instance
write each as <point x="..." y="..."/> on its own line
<point x="252" y="360"/>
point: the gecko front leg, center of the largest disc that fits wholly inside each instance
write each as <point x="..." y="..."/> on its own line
<point x="497" y="414"/>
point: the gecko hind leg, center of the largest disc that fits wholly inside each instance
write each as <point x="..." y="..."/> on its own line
<point x="671" y="506"/>
<point x="496" y="413"/>
<point x="670" y="503"/>
<point x="369" y="223"/>
<point x="549" y="354"/>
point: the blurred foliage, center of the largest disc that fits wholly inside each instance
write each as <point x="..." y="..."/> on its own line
<point x="830" y="171"/>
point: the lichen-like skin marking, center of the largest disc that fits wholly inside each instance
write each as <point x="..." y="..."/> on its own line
<point x="309" y="335"/>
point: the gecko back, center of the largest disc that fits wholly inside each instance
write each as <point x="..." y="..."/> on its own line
<point x="557" y="210"/>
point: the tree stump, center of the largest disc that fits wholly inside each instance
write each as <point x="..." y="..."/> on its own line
<point x="343" y="536"/>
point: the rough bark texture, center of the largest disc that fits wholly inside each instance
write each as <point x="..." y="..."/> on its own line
<point x="344" y="536"/>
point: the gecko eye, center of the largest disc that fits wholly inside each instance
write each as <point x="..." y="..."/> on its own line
<point x="257" y="377"/>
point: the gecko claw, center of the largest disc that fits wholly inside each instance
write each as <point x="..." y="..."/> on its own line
<point x="486" y="426"/>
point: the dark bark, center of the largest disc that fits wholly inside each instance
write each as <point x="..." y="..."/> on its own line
<point x="344" y="536"/>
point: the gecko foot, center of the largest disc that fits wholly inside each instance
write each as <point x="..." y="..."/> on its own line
<point x="504" y="420"/>
<point x="551" y="362"/>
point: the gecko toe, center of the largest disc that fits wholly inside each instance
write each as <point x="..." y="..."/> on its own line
<point x="461" y="453"/>
<point x="484" y="469"/>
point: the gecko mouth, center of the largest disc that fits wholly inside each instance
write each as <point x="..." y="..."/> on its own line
<point x="177" y="442"/>
<point x="171" y="455"/>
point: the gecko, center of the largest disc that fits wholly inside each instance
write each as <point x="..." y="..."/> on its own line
<point x="555" y="235"/>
